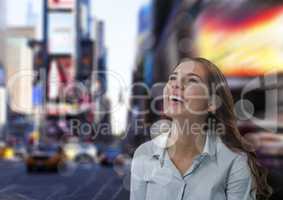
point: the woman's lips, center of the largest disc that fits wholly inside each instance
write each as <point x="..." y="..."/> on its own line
<point x="176" y="98"/>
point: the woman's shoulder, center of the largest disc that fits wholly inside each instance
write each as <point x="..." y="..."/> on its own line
<point x="229" y="154"/>
<point x="233" y="162"/>
<point x="153" y="146"/>
<point x="145" y="149"/>
<point x="141" y="158"/>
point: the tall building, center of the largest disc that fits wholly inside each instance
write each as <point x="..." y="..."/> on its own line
<point x="2" y="28"/>
<point x="101" y="55"/>
<point x="15" y="54"/>
<point x="19" y="68"/>
<point x="3" y="16"/>
<point x="3" y="95"/>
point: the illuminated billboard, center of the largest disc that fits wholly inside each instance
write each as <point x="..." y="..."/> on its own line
<point x="61" y="4"/>
<point x="84" y="18"/>
<point x="61" y="33"/>
<point x="243" y="40"/>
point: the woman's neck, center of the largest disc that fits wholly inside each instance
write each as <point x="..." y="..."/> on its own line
<point x="188" y="136"/>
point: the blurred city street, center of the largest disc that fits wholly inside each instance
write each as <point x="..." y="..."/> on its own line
<point x="92" y="182"/>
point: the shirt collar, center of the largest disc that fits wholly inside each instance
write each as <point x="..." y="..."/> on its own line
<point x="159" y="145"/>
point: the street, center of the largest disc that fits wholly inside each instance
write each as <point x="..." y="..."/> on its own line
<point x="78" y="182"/>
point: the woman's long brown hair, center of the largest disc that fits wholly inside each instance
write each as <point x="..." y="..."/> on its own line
<point x="232" y="138"/>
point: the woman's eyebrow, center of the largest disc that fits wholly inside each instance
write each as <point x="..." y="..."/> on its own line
<point x="192" y="74"/>
<point x="188" y="74"/>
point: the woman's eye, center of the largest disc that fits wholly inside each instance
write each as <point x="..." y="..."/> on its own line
<point x="172" y="77"/>
<point x="191" y="80"/>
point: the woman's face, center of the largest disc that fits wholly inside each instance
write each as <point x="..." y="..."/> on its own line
<point x="186" y="92"/>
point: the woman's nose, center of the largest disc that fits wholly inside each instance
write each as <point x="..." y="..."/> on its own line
<point x="176" y="84"/>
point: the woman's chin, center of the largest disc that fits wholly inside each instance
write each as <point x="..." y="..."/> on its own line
<point x="173" y="113"/>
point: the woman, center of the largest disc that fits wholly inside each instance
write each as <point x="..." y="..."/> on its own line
<point x="203" y="156"/>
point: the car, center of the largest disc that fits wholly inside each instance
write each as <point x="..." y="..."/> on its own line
<point x="6" y="151"/>
<point x="80" y="152"/>
<point x="45" y="156"/>
<point x="110" y="155"/>
<point x="20" y="151"/>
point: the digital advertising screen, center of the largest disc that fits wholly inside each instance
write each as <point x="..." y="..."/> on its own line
<point x="61" y="32"/>
<point x="243" y="39"/>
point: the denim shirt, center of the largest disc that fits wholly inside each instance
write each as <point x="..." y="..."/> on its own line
<point x="217" y="173"/>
